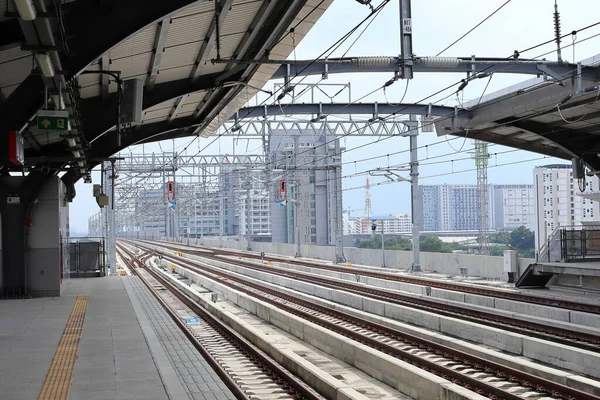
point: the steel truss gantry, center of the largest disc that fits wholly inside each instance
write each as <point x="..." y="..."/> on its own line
<point x="200" y="193"/>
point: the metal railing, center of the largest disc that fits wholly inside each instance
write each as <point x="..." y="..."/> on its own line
<point x="580" y="244"/>
<point x="572" y="244"/>
<point x="88" y="256"/>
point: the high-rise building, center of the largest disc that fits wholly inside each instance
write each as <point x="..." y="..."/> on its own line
<point x="246" y="187"/>
<point x="449" y="207"/>
<point x="303" y="163"/>
<point x="455" y="207"/>
<point x="513" y="206"/>
<point x="557" y="201"/>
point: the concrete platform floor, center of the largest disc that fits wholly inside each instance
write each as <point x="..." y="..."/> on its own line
<point x="129" y="347"/>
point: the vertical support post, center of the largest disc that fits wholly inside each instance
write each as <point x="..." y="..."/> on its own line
<point x="110" y="217"/>
<point x="295" y="200"/>
<point x="248" y="205"/>
<point x="382" y="243"/>
<point x="176" y="210"/>
<point x="221" y="209"/>
<point x="339" y="223"/>
<point x="166" y="208"/>
<point x="414" y="189"/>
<point x="406" y="52"/>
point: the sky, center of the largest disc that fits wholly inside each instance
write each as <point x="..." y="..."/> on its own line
<point x="435" y="23"/>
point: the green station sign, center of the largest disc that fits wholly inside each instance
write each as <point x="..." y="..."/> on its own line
<point x="53" y="120"/>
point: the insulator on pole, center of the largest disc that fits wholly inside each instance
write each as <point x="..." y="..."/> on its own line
<point x="557" y="34"/>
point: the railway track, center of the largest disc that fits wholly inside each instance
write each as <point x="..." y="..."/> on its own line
<point x="248" y="372"/>
<point x="484" y="377"/>
<point x="483" y="291"/>
<point x="555" y="334"/>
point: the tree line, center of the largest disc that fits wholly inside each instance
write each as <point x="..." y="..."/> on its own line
<point x="520" y="239"/>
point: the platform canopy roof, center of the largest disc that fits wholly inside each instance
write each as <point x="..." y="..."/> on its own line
<point x="168" y="45"/>
<point x="554" y="115"/>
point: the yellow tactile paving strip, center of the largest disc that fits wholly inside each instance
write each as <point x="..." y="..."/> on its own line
<point x="58" y="380"/>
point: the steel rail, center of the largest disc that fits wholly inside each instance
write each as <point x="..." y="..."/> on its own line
<point x="565" y="304"/>
<point x="553" y="389"/>
<point x="564" y="336"/>
<point x="278" y="374"/>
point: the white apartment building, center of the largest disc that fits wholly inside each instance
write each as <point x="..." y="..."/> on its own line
<point x="513" y="206"/>
<point x="558" y="203"/>
<point x="393" y="224"/>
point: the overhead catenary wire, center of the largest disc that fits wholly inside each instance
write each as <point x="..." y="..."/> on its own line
<point x="450" y="116"/>
<point x="581" y="40"/>
<point x="473" y="28"/>
<point x="479" y="73"/>
<point x="342" y="39"/>
<point x="533" y="47"/>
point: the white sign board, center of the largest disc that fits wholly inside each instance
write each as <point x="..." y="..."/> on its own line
<point x="407" y="26"/>
<point x="427" y="124"/>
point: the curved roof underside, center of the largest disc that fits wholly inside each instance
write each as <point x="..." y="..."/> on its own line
<point x="167" y="44"/>
<point x="557" y="116"/>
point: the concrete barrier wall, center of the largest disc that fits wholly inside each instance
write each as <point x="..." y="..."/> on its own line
<point x="489" y="267"/>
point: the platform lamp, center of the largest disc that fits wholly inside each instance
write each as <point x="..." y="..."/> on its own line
<point x="26" y="9"/>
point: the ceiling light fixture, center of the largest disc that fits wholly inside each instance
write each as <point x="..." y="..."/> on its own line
<point x="45" y="63"/>
<point x="26" y="9"/>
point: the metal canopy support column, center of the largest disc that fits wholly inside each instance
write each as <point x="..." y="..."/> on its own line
<point x="14" y="214"/>
<point x="414" y="189"/>
<point x="406" y="52"/>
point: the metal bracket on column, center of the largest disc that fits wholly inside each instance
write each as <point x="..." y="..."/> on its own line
<point x="413" y="127"/>
<point x="549" y="71"/>
<point x="455" y="119"/>
<point x="320" y="115"/>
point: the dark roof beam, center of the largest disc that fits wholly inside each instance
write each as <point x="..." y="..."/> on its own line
<point x="503" y="140"/>
<point x="177" y="108"/>
<point x="111" y="23"/>
<point x="260" y="18"/>
<point x="261" y="45"/>
<point x="98" y="121"/>
<point x="221" y="10"/>
<point x="104" y="78"/>
<point x="569" y="143"/>
<point x="157" y="52"/>
<point x="203" y="104"/>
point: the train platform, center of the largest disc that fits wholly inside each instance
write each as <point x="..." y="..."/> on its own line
<point x="104" y="338"/>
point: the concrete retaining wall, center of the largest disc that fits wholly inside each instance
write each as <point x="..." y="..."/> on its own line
<point x="450" y="264"/>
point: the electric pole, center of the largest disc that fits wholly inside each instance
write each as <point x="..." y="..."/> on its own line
<point x="414" y="189"/>
<point x="481" y="162"/>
